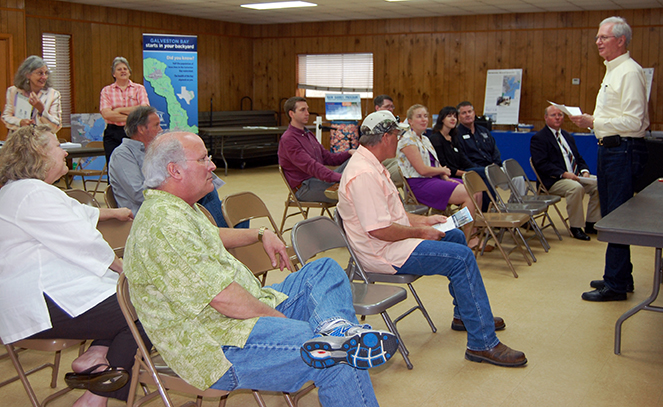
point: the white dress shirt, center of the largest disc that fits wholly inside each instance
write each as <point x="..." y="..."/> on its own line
<point x="49" y="245"/>
<point x="621" y="104"/>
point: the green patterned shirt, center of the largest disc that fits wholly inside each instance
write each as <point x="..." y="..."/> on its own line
<point x="176" y="264"/>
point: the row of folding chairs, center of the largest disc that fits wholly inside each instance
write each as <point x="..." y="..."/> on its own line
<point x="521" y="210"/>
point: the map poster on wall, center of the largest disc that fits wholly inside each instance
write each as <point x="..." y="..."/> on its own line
<point x="502" y="103"/>
<point x="170" y="73"/>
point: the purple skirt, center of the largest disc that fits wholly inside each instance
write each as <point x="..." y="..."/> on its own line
<point x="434" y="192"/>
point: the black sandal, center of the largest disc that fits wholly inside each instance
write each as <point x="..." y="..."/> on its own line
<point x="109" y="379"/>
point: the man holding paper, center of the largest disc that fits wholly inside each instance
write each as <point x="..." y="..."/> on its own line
<point x="619" y="121"/>
<point x="389" y="240"/>
<point x="561" y="167"/>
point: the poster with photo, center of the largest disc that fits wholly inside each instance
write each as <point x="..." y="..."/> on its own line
<point x="502" y="101"/>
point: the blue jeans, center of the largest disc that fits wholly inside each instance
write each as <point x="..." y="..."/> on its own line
<point x="618" y="168"/>
<point x="212" y="203"/>
<point x="452" y="258"/>
<point x="270" y="360"/>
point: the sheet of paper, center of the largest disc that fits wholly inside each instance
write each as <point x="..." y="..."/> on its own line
<point x="587" y="180"/>
<point x="459" y="219"/>
<point x="568" y="110"/>
<point x="23" y="108"/>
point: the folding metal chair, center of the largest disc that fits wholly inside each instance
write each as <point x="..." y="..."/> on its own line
<point x="302" y="206"/>
<point x="543" y="190"/>
<point x="513" y="171"/>
<point x="499" y="180"/>
<point x="486" y="221"/>
<point x="83" y="197"/>
<point x="82" y="171"/>
<point x="109" y="197"/>
<point x="244" y="206"/>
<point x="407" y="279"/>
<point x="319" y="234"/>
<point x="45" y="345"/>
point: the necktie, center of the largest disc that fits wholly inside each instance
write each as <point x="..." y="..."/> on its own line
<point x="568" y="153"/>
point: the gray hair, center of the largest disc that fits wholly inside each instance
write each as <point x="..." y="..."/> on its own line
<point x="139" y="117"/>
<point x="372" y="139"/>
<point x="165" y="149"/>
<point x="620" y="28"/>
<point x="120" y="60"/>
<point x="30" y="64"/>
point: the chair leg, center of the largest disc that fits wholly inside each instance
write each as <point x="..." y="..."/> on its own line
<point x="258" y="398"/>
<point x="566" y="224"/>
<point x="422" y="308"/>
<point x="504" y="254"/>
<point x="401" y="346"/>
<point x="526" y="249"/>
<point x="539" y="234"/>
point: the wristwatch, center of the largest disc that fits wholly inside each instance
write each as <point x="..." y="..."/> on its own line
<point x="261" y="232"/>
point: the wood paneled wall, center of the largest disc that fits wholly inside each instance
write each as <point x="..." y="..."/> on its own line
<point x="436" y="61"/>
<point x="440" y="61"/>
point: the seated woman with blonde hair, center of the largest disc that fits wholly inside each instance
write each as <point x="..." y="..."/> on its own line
<point x="58" y="275"/>
<point x="430" y="182"/>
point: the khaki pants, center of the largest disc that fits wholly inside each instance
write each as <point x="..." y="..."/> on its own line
<point x="574" y="192"/>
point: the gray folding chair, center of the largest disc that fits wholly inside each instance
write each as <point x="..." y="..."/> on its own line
<point x="498" y="180"/>
<point x="319" y="234"/>
<point x="395" y="279"/>
<point x="543" y="190"/>
<point x="514" y="170"/>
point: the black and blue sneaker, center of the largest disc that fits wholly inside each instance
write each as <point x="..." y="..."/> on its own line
<point x="354" y="345"/>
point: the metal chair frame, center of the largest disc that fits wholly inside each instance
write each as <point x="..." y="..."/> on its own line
<point x="486" y="221"/>
<point x="302" y="206"/>
<point x="316" y="235"/>
<point x="543" y="190"/>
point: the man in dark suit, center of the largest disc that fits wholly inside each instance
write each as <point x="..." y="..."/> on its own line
<point x="560" y="166"/>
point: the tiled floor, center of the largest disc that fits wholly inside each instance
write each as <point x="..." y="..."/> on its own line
<point x="569" y="342"/>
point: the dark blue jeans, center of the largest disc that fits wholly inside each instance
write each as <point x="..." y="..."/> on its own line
<point x="618" y="169"/>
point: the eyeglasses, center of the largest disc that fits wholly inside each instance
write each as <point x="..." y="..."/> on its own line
<point x="205" y="160"/>
<point x="398" y="132"/>
<point x="603" y="38"/>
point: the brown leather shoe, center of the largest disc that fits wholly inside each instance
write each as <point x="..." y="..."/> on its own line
<point x="500" y="355"/>
<point x="458" y="325"/>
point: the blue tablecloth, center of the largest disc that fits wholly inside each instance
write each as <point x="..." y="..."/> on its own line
<point x="516" y="145"/>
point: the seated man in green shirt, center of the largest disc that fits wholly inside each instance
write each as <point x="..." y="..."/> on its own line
<point x="208" y="315"/>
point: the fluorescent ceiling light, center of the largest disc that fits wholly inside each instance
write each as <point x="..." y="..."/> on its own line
<point x="277" y="5"/>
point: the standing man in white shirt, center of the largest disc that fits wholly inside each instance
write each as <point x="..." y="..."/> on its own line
<point x="619" y="121"/>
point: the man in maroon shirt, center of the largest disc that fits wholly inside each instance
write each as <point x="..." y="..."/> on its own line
<point x="303" y="158"/>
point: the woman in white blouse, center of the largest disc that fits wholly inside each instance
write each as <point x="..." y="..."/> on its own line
<point x="57" y="274"/>
<point x="32" y="100"/>
<point x="430" y="182"/>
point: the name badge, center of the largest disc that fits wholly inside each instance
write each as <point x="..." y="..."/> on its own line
<point x="466" y="136"/>
<point x="455" y="149"/>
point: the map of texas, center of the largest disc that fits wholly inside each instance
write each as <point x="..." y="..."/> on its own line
<point x="154" y="73"/>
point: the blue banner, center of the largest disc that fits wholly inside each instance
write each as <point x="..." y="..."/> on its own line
<point x="170" y="73"/>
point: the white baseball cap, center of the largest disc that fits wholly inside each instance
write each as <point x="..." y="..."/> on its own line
<point x="380" y="122"/>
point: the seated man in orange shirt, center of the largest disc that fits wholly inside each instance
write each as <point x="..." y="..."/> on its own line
<point x="389" y="240"/>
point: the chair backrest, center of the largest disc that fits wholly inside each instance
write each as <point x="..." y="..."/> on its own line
<point x="498" y="180"/>
<point x="409" y="198"/>
<point x="207" y="213"/>
<point x="291" y="193"/>
<point x="115" y="233"/>
<point x="513" y="170"/>
<point x="316" y="235"/>
<point x="109" y="197"/>
<point x="143" y="353"/>
<point x="473" y="184"/>
<point x="541" y="187"/>
<point x="244" y="206"/>
<point x="82" y="197"/>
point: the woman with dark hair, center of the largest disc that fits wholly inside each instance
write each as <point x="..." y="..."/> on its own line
<point x="58" y="275"/>
<point x="32" y="100"/>
<point x="117" y="101"/>
<point x="446" y="144"/>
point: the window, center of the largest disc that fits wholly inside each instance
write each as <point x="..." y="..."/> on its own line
<point x="56" y="50"/>
<point x="337" y="73"/>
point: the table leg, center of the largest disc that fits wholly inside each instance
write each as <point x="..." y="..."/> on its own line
<point x="645" y="305"/>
